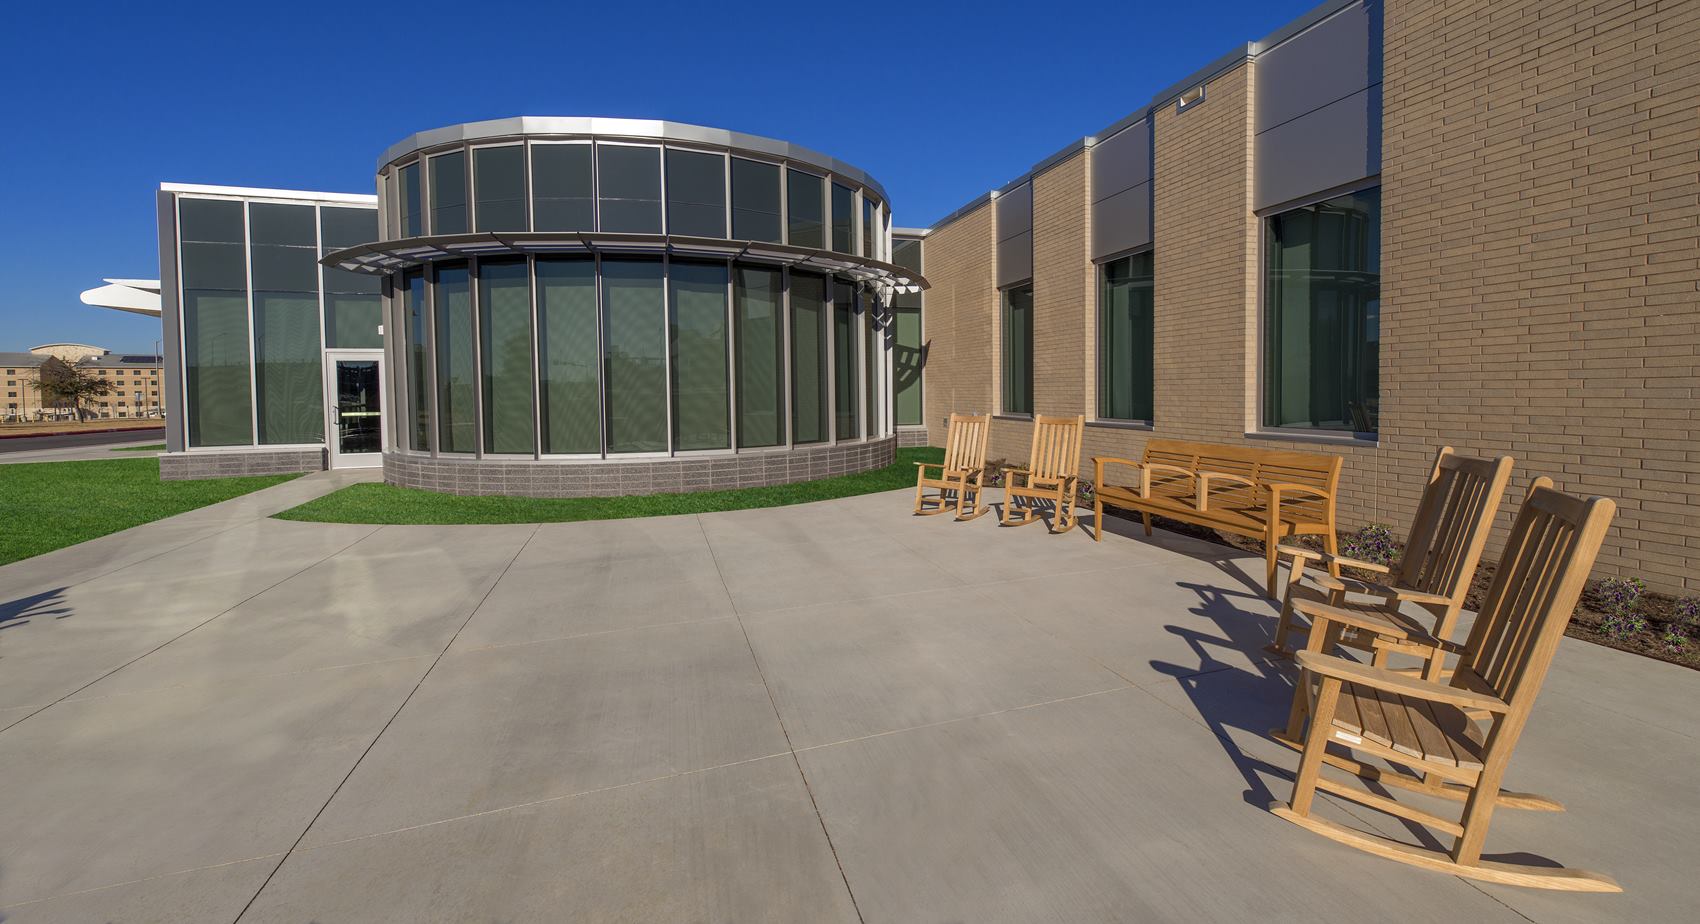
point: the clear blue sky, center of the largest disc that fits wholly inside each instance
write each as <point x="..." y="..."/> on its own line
<point x="940" y="102"/>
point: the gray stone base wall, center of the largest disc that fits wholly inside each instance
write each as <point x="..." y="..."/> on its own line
<point x="610" y="478"/>
<point x="912" y="436"/>
<point x="191" y="466"/>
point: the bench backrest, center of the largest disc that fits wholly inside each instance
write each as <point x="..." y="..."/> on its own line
<point x="1264" y="466"/>
<point x="1452" y="523"/>
<point x="1056" y="446"/>
<point x="965" y="442"/>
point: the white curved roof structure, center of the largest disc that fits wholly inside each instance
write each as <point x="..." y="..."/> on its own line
<point x="137" y="296"/>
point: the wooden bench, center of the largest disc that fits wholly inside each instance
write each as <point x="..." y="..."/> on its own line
<point x="1268" y="494"/>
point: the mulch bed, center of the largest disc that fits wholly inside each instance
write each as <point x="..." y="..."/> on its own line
<point x="1658" y="609"/>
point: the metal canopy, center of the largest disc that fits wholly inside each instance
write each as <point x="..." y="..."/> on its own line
<point x="384" y="257"/>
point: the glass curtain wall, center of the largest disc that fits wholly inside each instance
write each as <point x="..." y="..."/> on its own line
<point x="1125" y="338"/>
<point x="843" y="219"/>
<point x="457" y="388"/>
<point x="760" y="340"/>
<point x="808" y="358"/>
<point x="907" y="355"/>
<point x="411" y="204"/>
<point x="214" y="262"/>
<point x="1018" y="350"/>
<point x="871" y="335"/>
<point x="629" y="187"/>
<point x="568" y="355"/>
<point x="353" y="301"/>
<point x="417" y="357"/>
<point x="634" y="331"/>
<point x="288" y="379"/>
<point x="845" y="400"/>
<point x="504" y="339"/>
<point x="1322" y="304"/>
<point x="870" y="227"/>
<point x="701" y="398"/>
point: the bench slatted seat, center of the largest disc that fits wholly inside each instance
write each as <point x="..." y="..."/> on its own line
<point x="1263" y="493"/>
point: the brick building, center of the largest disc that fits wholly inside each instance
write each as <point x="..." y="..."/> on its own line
<point x="135" y="382"/>
<point x="1386" y="227"/>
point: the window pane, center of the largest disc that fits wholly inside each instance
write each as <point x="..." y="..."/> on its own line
<point x="288" y="383"/>
<point x="906" y="361"/>
<point x="844" y="396"/>
<point x="504" y="339"/>
<point x="803" y="197"/>
<point x="568" y="355"/>
<point x="412" y="208"/>
<point x="634" y="329"/>
<point x="872" y="337"/>
<point x="907" y="254"/>
<point x="353" y="302"/>
<point x="843" y="218"/>
<point x="755" y="201"/>
<point x="870" y="223"/>
<point x="761" y="357"/>
<point x="1323" y="304"/>
<point x="1125" y="339"/>
<point x="215" y="322"/>
<point x="499" y="182"/>
<point x="808" y="358"/>
<point x="696" y="193"/>
<point x="457" y="415"/>
<point x="418" y="360"/>
<point x="1018" y="350"/>
<point x="448" y="193"/>
<point x="700" y="399"/>
<point x="563" y="188"/>
<point x="629" y="180"/>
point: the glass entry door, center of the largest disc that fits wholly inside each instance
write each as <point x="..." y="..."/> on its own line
<point x="357" y="417"/>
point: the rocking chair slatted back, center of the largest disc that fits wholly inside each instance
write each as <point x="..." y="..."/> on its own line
<point x="1452" y="523"/>
<point x="965" y="443"/>
<point x="1540" y="577"/>
<point x="1056" y="447"/>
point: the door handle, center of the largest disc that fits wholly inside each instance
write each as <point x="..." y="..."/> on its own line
<point x="336" y="415"/>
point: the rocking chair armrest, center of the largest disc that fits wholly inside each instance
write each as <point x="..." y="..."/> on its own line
<point x="1301" y="553"/>
<point x="1380" y="678"/>
<point x="1353" y="585"/>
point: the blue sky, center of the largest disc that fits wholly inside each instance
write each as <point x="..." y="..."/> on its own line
<point x="940" y="102"/>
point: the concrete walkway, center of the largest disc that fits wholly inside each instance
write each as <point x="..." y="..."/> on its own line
<point x="831" y="712"/>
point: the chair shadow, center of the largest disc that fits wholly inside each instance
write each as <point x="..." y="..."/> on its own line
<point x="1255" y="701"/>
<point x="48" y="603"/>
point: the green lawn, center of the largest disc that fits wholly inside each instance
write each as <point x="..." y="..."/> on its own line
<point x="50" y="505"/>
<point x="383" y="503"/>
<point x="151" y="447"/>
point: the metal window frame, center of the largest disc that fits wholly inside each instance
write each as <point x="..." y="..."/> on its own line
<point x="472" y="182"/>
<point x="531" y="179"/>
<point x="1099" y="267"/>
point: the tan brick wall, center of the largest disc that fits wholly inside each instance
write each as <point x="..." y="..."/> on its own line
<point x="1540" y="270"/>
<point x="1541" y="259"/>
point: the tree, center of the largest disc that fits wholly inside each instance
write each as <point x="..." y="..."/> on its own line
<point x="64" y="385"/>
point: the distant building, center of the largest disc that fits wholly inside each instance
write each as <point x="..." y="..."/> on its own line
<point x="135" y="379"/>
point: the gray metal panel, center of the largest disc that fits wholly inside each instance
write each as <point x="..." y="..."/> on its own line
<point x="1331" y="60"/>
<point x="645" y="129"/>
<point x="1121" y="222"/>
<point x="1015" y="211"/>
<point x="1333" y="146"/>
<point x="1122" y="161"/>
<point x="1015" y="259"/>
<point x="170" y="317"/>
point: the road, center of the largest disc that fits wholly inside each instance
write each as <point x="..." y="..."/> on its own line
<point x="67" y="446"/>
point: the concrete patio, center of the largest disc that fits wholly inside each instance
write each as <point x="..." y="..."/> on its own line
<point x="831" y="712"/>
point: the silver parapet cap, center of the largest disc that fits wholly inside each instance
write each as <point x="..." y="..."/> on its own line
<point x="384" y="257"/>
<point x="640" y="129"/>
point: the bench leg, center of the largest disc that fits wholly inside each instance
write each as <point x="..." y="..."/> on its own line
<point x="1146" y="518"/>
<point x="1098" y="520"/>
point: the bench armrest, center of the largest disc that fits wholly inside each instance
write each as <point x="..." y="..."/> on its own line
<point x="1280" y="488"/>
<point x="1380" y="678"/>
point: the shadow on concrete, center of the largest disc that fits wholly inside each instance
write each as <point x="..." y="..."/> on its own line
<point x="48" y="603"/>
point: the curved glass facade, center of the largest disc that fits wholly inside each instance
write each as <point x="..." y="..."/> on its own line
<point x="632" y="351"/>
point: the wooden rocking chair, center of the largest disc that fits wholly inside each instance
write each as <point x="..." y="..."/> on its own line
<point x="1052" y="473"/>
<point x="1430" y="727"/>
<point x="960" y="473"/>
<point x="1445" y="544"/>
